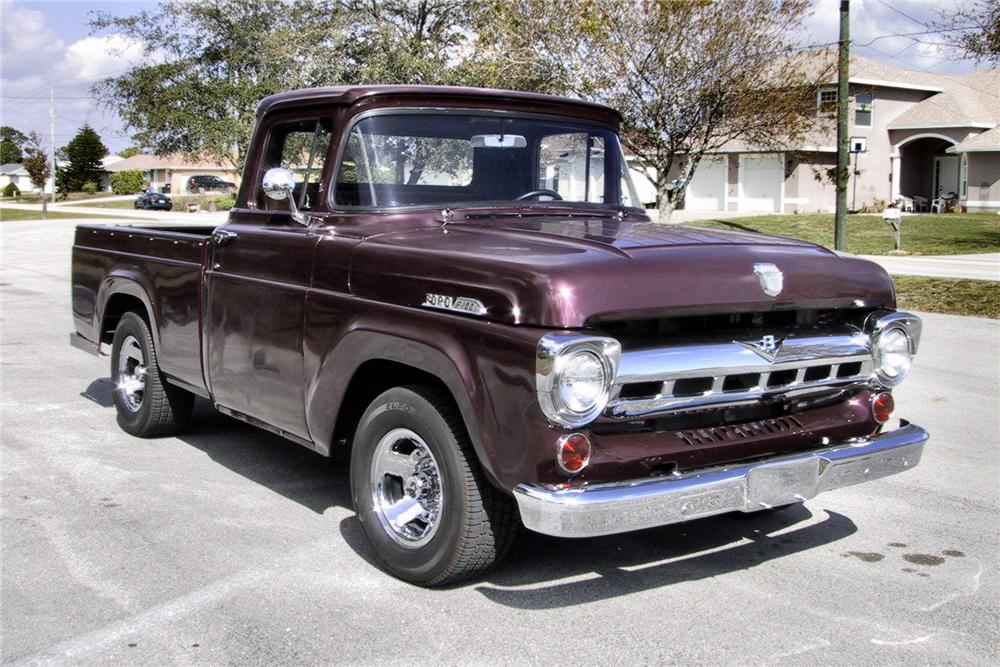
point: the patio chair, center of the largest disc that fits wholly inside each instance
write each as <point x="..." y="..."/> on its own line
<point x="905" y="204"/>
<point x="920" y="204"/>
<point x="943" y="203"/>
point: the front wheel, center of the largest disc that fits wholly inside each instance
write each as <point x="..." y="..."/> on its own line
<point x="147" y="405"/>
<point x="425" y="507"/>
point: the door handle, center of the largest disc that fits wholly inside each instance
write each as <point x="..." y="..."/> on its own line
<point x="221" y="237"/>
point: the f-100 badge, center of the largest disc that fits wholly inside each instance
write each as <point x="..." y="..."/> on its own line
<point x="458" y="304"/>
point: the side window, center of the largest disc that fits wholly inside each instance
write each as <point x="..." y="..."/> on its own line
<point x="863" y="109"/>
<point x="573" y="165"/>
<point x="826" y="102"/>
<point x="301" y="146"/>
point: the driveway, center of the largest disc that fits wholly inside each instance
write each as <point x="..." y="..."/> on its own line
<point x="230" y="545"/>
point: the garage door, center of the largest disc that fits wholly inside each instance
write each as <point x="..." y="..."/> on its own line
<point x="761" y="177"/>
<point x="707" y="190"/>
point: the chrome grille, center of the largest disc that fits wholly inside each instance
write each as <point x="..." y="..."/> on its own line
<point x="654" y="381"/>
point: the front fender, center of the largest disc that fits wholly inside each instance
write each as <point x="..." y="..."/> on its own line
<point x="442" y="358"/>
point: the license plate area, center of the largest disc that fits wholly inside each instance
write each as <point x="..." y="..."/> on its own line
<point x="777" y="484"/>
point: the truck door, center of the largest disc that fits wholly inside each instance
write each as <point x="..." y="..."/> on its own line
<point x="257" y="280"/>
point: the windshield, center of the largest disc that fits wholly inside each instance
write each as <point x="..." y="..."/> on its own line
<point x="447" y="159"/>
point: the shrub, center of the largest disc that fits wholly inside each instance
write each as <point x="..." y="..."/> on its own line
<point x="128" y="182"/>
<point x="89" y="187"/>
<point x="225" y="203"/>
<point x="10" y="190"/>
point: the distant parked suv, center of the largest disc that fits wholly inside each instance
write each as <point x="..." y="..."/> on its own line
<point x="208" y="183"/>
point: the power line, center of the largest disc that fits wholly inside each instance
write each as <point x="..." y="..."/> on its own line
<point x="901" y="13"/>
<point x="898" y="34"/>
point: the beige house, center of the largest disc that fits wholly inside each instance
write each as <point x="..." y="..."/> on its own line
<point x="921" y="136"/>
<point x="170" y="173"/>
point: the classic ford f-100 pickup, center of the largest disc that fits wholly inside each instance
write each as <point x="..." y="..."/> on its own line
<point x="460" y="288"/>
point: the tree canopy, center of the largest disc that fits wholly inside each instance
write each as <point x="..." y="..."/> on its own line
<point x="84" y="153"/>
<point x="11" y="141"/>
<point x="973" y="27"/>
<point x="689" y="76"/>
<point x="36" y="163"/>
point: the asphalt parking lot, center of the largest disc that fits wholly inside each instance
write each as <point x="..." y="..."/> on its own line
<point x="230" y="545"/>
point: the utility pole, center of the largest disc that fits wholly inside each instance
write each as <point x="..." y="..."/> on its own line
<point x="843" y="157"/>
<point x="52" y="139"/>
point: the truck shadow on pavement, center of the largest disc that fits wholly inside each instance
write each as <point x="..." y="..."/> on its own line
<point x="295" y="472"/>
<point x="540" y="572"/>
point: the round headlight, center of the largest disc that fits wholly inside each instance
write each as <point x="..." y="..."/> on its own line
<point x="893" y="355"/>
<point x="582" y="381"/>
<point x="574" y="375"/>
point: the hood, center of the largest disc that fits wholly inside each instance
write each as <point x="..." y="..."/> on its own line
<point x="572" y="271"/>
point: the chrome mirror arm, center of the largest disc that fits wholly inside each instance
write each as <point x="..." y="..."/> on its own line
<point x="297" y="215"/>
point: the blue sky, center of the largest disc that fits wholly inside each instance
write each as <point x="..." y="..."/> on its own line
<point x="43" y="42"/>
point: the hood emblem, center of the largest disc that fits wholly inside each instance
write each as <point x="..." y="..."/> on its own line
<point x="767" y="347"/>
<point x="772" y="280"/>
<point x="458" y="304"/>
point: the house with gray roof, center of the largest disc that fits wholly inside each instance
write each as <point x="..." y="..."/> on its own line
<point x="919" y="136"/>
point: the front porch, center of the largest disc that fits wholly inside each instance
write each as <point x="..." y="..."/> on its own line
<point x="924" y="174"/>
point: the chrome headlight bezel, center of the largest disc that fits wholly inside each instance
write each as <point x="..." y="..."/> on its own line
<point x="554" y="350"/>
<point x="882" y="325"/>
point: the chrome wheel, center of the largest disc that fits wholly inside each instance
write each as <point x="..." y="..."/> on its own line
<point x="130" y="382"/>
<point x="406" y="488"/>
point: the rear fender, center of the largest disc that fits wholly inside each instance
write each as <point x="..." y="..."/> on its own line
<point x="132" y="283"/>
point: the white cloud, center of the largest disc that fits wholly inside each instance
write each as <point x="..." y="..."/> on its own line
<point x="884" y="31"/>
<point x="27" y="44"/>
<point x="33" y="56"/>
<point x="93" y="58"/>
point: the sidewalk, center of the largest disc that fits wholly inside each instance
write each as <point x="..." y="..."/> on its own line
<point x="95" y="200"/>
<point x="985" y="266"/>
<point x="162" y="216"/>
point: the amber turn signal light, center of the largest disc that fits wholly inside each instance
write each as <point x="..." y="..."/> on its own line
<point x="882" y="407"/>
<point x="573" y="453"/>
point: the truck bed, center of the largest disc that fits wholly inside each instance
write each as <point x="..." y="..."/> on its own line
<point x="158" y="267"/>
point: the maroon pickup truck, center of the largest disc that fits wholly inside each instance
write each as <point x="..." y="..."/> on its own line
<point x="460" y="288"/>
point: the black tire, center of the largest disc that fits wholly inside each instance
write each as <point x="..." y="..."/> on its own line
<point x="477" y="522"/>
<point x="161" y="408"/>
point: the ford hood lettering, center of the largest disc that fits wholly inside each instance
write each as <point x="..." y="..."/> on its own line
<point x="458" y="304"/>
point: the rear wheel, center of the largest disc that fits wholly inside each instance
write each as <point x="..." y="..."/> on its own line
<point x="425" y="506"/>
<point x="147" y="405"/>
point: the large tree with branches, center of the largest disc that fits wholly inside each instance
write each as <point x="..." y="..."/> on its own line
<point x="208" y="64"/>
<point x="690" y="76"/>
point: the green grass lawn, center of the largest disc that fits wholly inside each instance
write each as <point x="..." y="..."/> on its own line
<point x="930" y="234"/>
<point x="945" y="295"/>
<point x="15" y="214"/>
<point x="180" y="201"/>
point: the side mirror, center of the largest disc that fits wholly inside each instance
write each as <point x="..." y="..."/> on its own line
<point x="278" y="184"/>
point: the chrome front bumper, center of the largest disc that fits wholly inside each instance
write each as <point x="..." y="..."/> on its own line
<point x="603" y="509"/>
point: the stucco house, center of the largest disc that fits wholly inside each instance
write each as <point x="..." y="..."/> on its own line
<point x="15" y="173"/>
<point x="924" y="135"/>
<point x="170" y="173"/>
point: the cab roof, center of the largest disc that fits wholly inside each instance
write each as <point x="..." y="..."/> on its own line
<point x="420" y="95"/>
